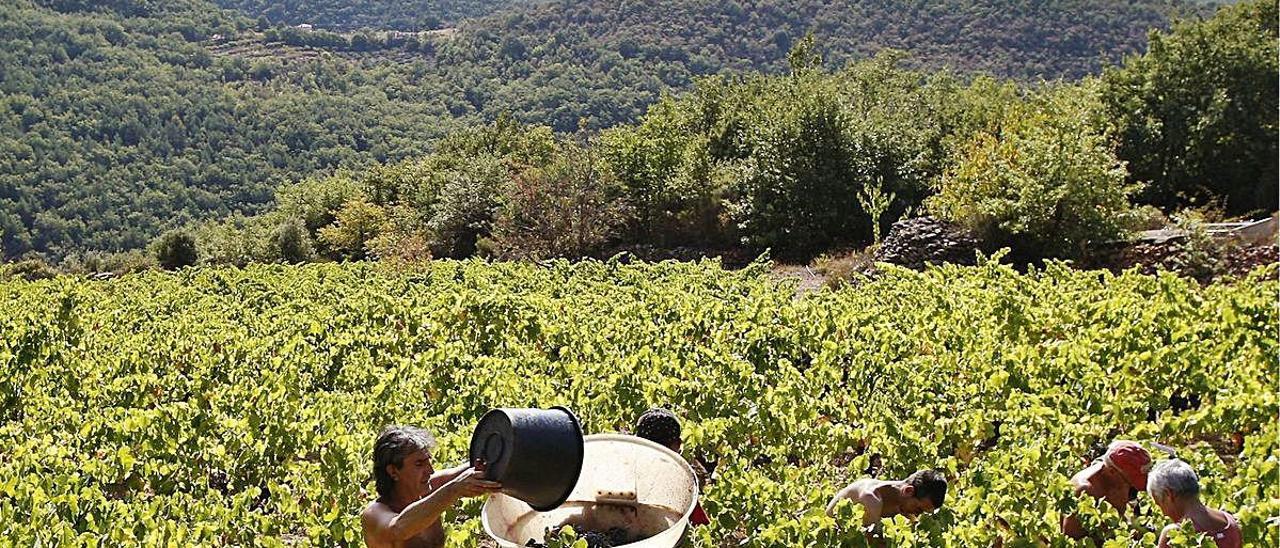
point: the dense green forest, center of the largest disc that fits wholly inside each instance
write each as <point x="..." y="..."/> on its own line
<point x="813" y="160"/>
<point x="122" y="119"/>
<point x="557" y="63"/>
<point x="1196" y="116"/>
<point x="114" y="127"/>
<point x="404" y="15"/>
<point x="1026" y="40"/>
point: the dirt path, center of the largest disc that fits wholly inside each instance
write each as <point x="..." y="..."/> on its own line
<point x="809" y="280"/>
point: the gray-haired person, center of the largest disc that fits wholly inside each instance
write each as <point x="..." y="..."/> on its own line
<point x="1176" y="489"/>
<point x="411" y="493"/>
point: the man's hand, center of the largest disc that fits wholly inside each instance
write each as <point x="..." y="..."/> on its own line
<point x="471" y="483"/>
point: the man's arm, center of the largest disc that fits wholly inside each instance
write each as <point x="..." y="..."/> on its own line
<point x="1080" y="484"/>
<point x="383" y="525"/>
<point x="447" y="475"/>
<point x="842" y="494"/>
<point x="1164" y="535"/>
<point x="872" y="505"/>
<point x="1072" y="528"/>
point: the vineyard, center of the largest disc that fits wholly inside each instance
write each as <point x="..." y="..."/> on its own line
<point x="239" y="407"/>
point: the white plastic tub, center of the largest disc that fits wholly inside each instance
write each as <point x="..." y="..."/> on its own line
<point x="626" y="482"/>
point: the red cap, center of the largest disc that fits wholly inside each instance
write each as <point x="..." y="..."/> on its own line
<point x="1131" y="460"/>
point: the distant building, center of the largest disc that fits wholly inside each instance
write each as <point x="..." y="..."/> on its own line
<point x="304" y="26"/>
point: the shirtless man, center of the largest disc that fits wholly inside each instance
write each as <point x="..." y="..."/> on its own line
<point x="921" y="492"/>
<point x="1115" y="478"/>
<point x="412" y="495"/>
<point x="1175" y="487"/>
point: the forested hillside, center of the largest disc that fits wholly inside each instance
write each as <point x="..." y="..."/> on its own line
<point x="407" y="15"/>
<point x="557" y="63"/>
<point x="122" y="118"/>
<point x="1027" y="40"/>
<point x="812" y="161"/>
<point x="114" y="127"/>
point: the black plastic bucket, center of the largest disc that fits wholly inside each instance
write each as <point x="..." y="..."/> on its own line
<point x="535" y="453"/>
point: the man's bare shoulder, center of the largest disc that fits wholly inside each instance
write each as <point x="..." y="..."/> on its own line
<point x="375" y="517"/>
<point x="372" y="519"/>
<point x="376" y="509"/>
<point x="864" y="491"/>
<point x="864" y="486"/>
<point x="852" y="491"/>
<point x="1083" y="481"/>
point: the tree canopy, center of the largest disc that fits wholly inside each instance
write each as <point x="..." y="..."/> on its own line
<point x="1195" y="116"/>
<point x="120" y="120"/>
<point x="405" y="15"/>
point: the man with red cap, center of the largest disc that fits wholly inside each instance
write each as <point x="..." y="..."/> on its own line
<point x="1115" y="477"/>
